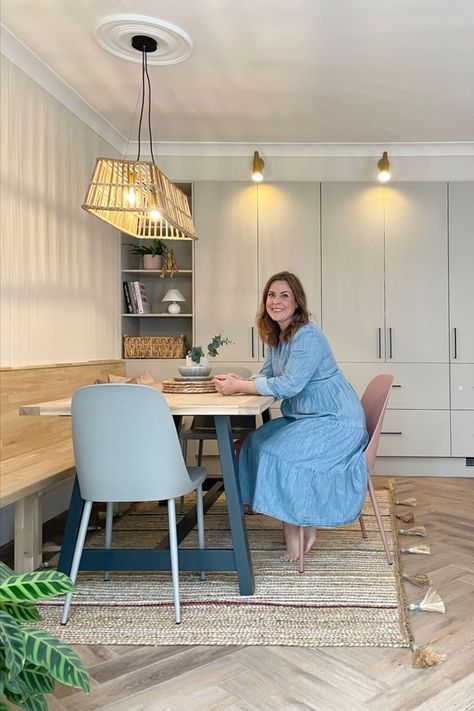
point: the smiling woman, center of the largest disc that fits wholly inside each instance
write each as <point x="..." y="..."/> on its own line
<point x="307" y="468"/>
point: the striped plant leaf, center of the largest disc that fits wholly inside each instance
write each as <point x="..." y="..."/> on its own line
<point x="5" y="572"/>
<point x="20" y="611"/>
<point x="62" y="662"/>
<point x="3" y="707"/>
<point x="35" y="703"/>
<point x="39" y="585"/>
<point x="13" y="642"/>
<point x="15" y="691"/>
<point x="37" y="679"/>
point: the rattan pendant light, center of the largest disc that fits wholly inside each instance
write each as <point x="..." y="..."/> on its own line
<point x="135" y="196"/>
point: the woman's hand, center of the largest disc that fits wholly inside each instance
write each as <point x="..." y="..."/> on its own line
<point x="228" y="383"/>
<point x="231" y="383"/>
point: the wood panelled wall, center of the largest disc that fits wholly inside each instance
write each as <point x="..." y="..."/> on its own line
<point x="60" y="301"/>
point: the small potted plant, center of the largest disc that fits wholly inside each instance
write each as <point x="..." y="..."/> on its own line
<point x="196" y="359"/>
<point x="152" y="254"/>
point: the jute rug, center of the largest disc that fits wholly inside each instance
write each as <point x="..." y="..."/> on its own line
<point x="347" y="596"/>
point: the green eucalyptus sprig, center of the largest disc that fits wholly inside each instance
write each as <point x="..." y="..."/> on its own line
<point x="31" y="660"/>
<point x="197" y="352"/>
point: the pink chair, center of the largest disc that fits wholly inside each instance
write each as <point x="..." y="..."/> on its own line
<point x="374" y="402"/>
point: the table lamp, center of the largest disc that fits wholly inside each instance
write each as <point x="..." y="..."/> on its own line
<point x="173" y="295"/>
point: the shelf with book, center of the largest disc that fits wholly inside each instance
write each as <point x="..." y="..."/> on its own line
<point x="153" y="318"/>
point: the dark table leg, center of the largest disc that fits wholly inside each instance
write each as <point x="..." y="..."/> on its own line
<point x="235" y="510"/>
<point x="71" y="529"/>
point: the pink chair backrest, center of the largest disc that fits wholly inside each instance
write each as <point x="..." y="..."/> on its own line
<point x="374" y="402"/>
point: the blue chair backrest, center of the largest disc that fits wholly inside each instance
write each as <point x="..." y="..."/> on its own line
<point x="126" y="445"/>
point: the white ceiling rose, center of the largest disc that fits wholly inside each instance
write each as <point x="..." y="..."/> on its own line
<point x="114" y="33"/>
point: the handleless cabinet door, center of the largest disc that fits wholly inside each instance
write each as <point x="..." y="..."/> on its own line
<point x="225" y="267"/>
<point x="352" y="238"/>
<point x="461" y="265"/>
<point x="288" y="236"/>
<point x="416" y="274"/>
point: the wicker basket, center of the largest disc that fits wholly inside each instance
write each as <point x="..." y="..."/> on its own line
<point x="154" y="346"/>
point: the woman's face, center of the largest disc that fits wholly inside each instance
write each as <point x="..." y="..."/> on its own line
<point x="281" y="303"/>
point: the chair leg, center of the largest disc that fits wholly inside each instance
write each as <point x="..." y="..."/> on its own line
<point x="378" y="517"/>
<point x="200" y="522"/>
<point x="81" y="537"/>
<point x="362" y="526"/>
<point x="200" y="449"/>
<point x="174" y="558"/>
<point x="109" y="520"/>
<point x="184" y="446"/>
<point x="301" y="541"/>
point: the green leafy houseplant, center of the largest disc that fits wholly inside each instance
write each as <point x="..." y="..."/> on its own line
<point x="157" y="247"/>
<point x="31" y="661"/>
<point x="197" y="352"/>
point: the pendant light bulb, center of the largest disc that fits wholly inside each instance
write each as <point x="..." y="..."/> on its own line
<point x="131" y="197"/>
<point x="384" y="168"/>
<point x="257" y="168"/>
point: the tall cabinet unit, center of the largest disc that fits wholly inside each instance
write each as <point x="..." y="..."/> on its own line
<point x="247" y="233"/>
<point x="156" y="282"/>
<point x="461" y="316"/>
<point x="383" y="309"/>
<point x="288" y="236"/>
<point x="226" y="284"/>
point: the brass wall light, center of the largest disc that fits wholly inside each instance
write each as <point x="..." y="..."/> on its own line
<point x="384" y="168"/>
<point x="134" y="195"/>
<point x="257" y="168"/>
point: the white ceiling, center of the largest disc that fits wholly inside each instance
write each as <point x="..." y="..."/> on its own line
<point x="298" y="71"/>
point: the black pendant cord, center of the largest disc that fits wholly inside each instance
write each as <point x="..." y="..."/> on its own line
<point x="142" y="104"/>
<point x="149" y="110"/>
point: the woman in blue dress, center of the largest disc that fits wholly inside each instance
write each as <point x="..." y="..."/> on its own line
<point x="307" y="468"/>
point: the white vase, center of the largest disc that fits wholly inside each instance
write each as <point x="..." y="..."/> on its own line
<point x="152" y="261"/>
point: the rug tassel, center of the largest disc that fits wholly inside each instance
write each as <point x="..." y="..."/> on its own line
<point x="417" y="549"/>
<point x="415" y="531"/>
<point x="424" y="657"/>
<point x="422" y="580"/>
<point x="430" y="603"/>
<point x="406" y="517"/>
<point x="407" y="502"/>
<point x="390" y="484"/>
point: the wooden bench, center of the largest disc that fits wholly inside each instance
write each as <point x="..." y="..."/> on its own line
<point x="36" y="452"/>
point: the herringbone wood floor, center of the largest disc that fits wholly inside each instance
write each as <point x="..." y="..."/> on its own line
<point x="273" y="678"/>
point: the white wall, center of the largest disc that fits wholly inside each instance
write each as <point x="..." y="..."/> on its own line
<point x="60" y="300"/>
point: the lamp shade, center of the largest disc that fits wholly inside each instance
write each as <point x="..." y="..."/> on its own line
<point x="137" y="198"/>
<point x="173" y="295"/>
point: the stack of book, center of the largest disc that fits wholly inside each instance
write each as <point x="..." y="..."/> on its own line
<point x="136" y="298"/>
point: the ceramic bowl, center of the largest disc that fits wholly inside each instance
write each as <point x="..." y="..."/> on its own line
<point x="191" y="371"/>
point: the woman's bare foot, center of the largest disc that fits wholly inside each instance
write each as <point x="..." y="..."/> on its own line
<point x="292" y="540"/>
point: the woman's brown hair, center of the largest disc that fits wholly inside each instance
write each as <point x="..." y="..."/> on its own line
<point x="268" y="329"/>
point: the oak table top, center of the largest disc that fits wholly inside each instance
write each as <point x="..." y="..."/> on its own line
<point x="180" y="404"/>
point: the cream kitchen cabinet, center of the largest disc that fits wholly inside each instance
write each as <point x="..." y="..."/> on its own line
<point x="352" y="246"/>
<point x="246" y="234"/>
<point x="384" y="275"/>
<point x="226" y="266"/>
<point x="461" y="312"/>
<point x="461" y="264"/>
<point x="416" y="277"/>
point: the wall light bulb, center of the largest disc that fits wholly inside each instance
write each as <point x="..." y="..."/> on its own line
<point x="155" y="214"/>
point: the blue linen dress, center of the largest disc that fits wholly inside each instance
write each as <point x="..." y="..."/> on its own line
<point x="307" y="467"/>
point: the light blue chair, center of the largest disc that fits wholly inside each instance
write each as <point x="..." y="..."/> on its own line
<point x="127" y="449"/>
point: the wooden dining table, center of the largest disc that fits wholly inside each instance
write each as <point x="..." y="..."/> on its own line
<point x="236" y="558"/>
